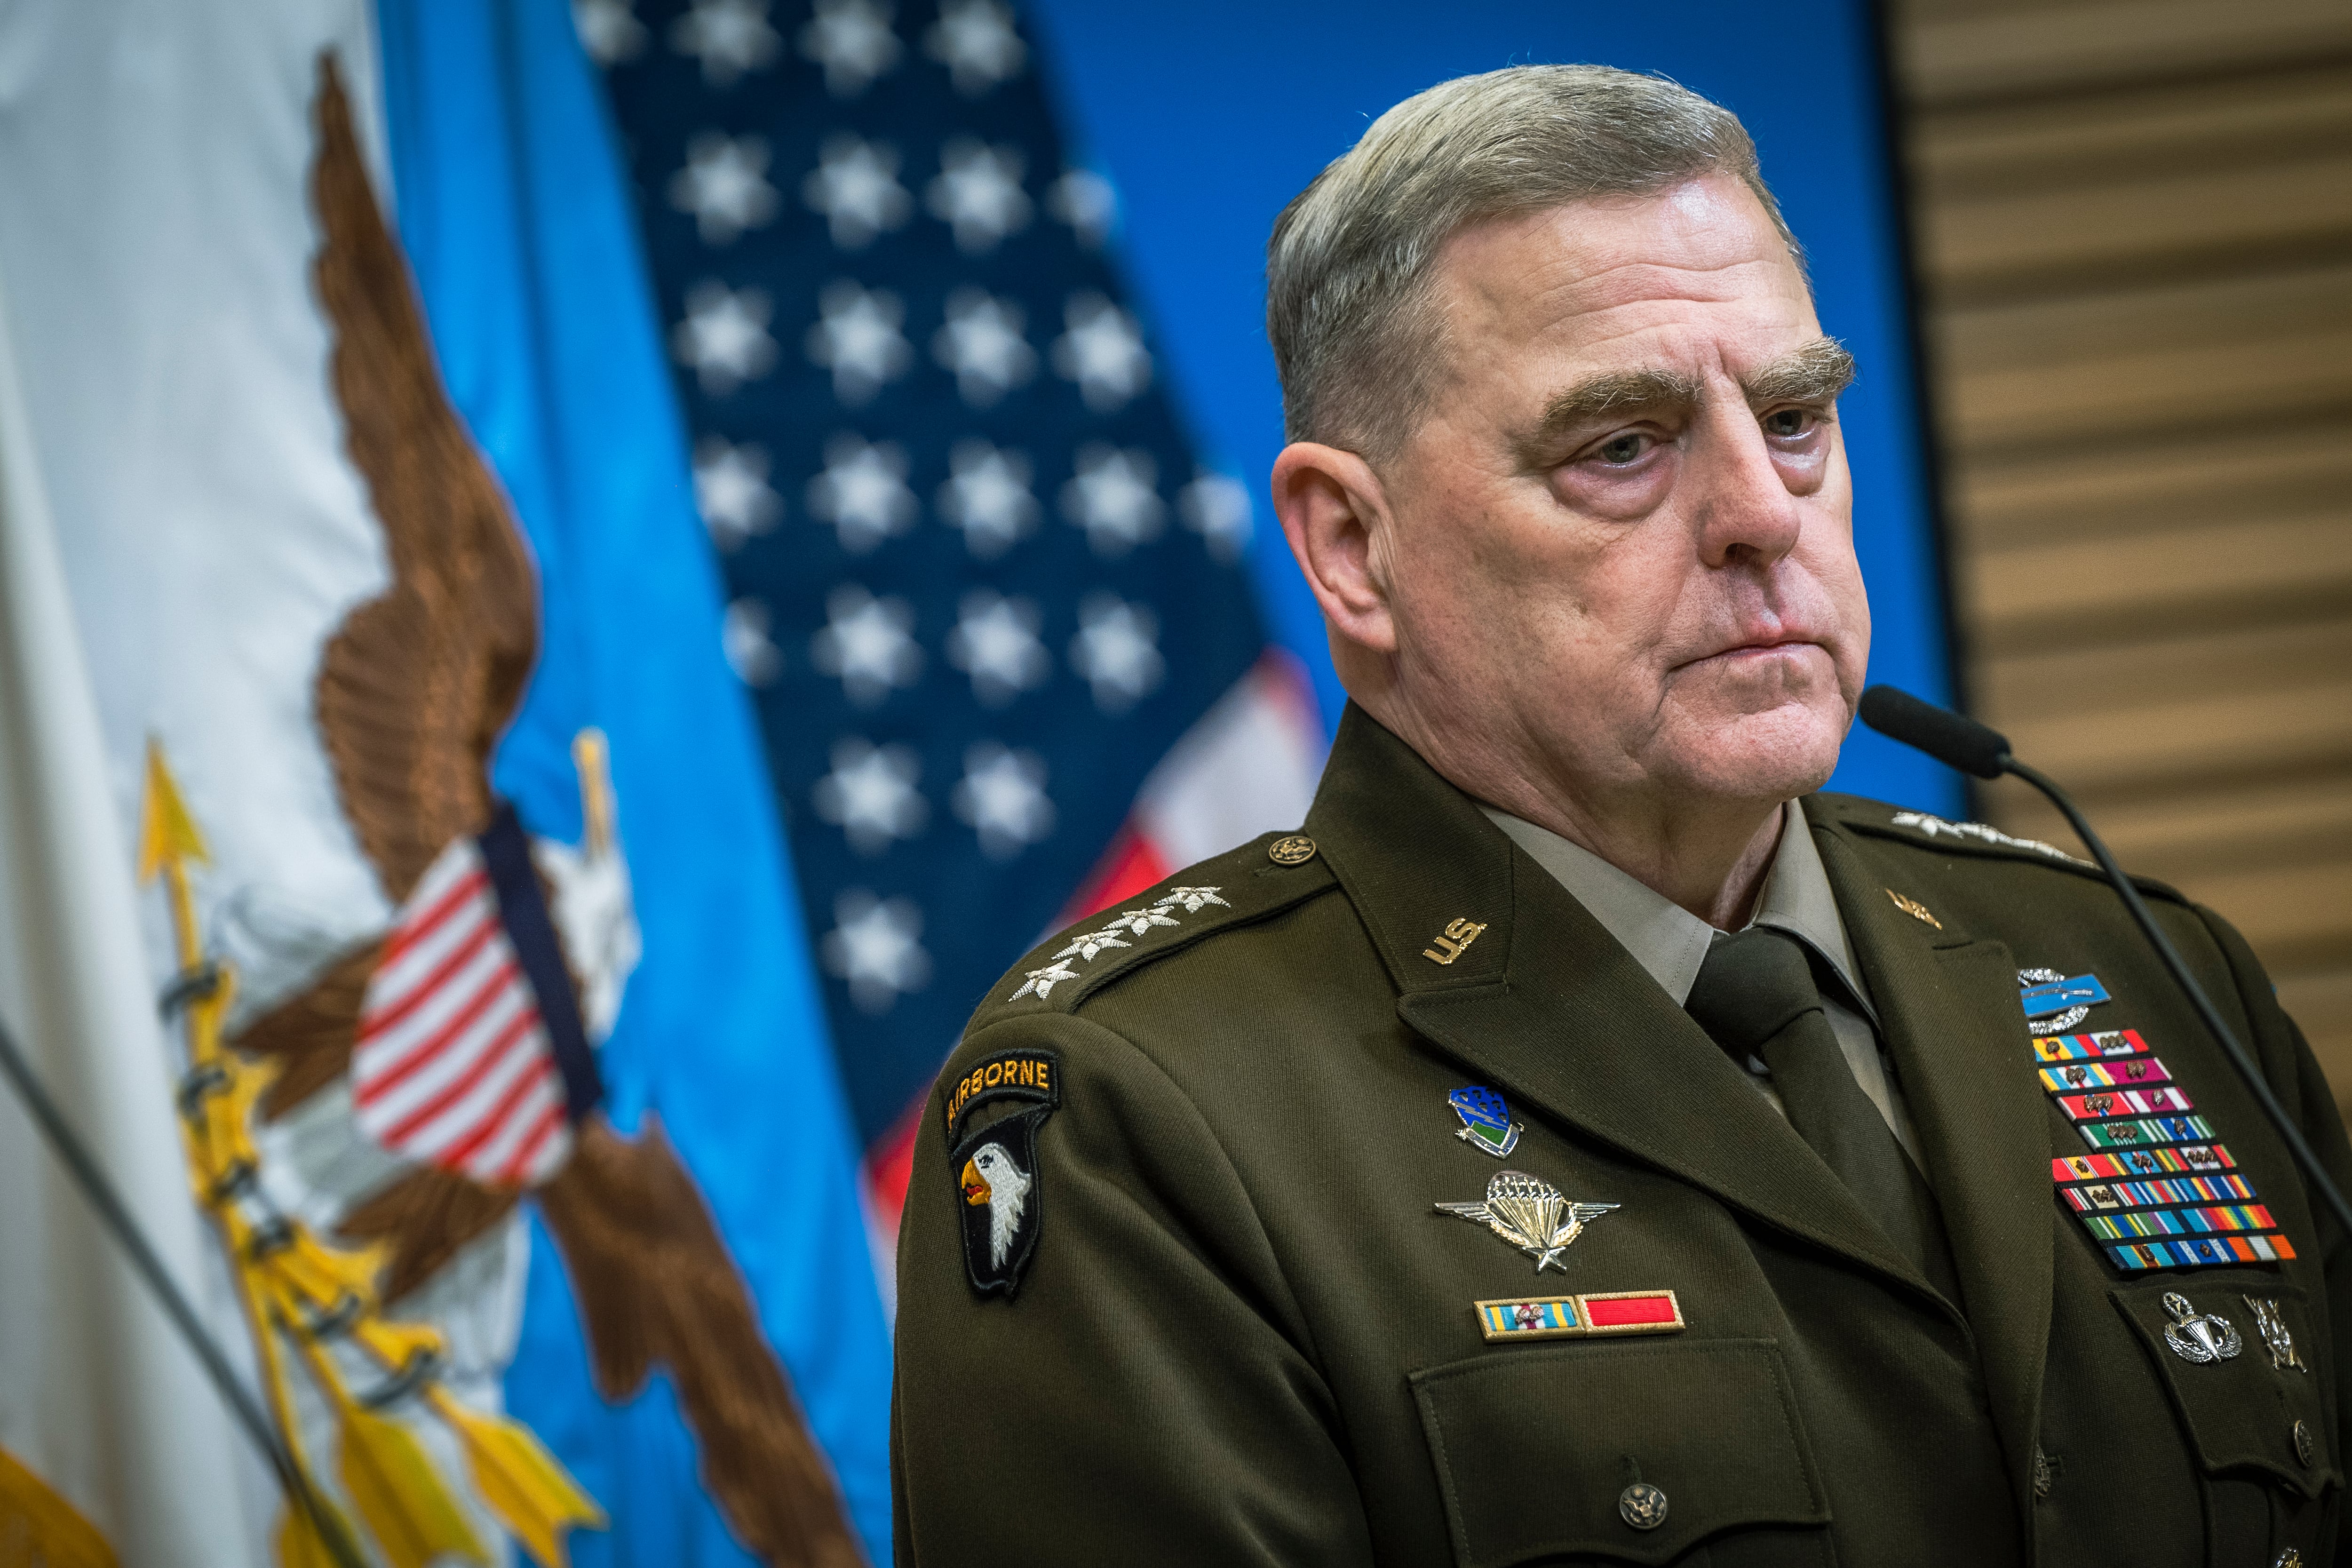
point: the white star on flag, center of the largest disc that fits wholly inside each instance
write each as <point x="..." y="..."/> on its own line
<point x="1002" y="796"/>
<point x="981" y="343"/>
<point x="873" y="946"/>
<point x="733" y="492"/>
<point x="729" y="37"/>
<point x="1117" y="651"/>
<point x="987" y="496"/>
<point x="870" y="794"/>
<point x="853" y="41"/>
<point x="1112" y="498"/>
<point x="725" y="336"/>
<point x="1102" y="351"/>
<point x="979" y="193"/>
<point x="995" y="642"/>
<point x="1086" y="201"/>
<point x="856" y="337"/>
<point x="743" y="635"/>
<point x="855" y="185"/>
<point x="865" y="643"/>
<point x="724" y="185"/>
<point x="975" y="40"/>
<point x="1217" y="509"/>
<point x="862" y="491"/>
<point x="609" y="30"/>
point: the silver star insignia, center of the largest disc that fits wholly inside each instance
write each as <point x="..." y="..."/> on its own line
<point x="1086" y="946"/>
<point x="1193" y="898"/>
<point x="1136" y="922"/>
<point x="1531" y="1215"/>
<point x="1043" y="981"/>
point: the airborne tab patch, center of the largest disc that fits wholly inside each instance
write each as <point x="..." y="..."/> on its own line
<point x="999" y="1188"/>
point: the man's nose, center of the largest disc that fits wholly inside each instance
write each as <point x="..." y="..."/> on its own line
<point x="1743" y="511"/>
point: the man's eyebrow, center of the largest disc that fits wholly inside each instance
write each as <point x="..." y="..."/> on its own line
<point x="1814" y="373"/>
<point x="1616" y="390"/>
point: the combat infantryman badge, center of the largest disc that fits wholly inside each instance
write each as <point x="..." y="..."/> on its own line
<point x="1531" y="1215"/>
<point x="995" y="1165"/>
<point x="1486" y="1124"/>
<point x="2055" y="1002"/>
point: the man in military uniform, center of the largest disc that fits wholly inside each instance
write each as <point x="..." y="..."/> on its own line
<point x="1582" y="1140"/>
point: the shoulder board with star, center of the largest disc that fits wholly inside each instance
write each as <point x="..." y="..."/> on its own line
<point x="1981" y="839"/>
<point x="1261" y="878"/>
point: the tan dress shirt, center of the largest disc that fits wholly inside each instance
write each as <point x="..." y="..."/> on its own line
<point x="1671" y="942"/>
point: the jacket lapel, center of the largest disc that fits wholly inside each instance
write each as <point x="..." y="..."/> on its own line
<point x="1545" y="1003"/>
<point x="1947" y="1008"/>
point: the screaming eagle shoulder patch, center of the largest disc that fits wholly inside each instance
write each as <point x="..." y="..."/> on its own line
<point x="994" y="1164"/>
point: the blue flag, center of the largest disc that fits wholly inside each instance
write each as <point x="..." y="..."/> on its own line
<point x="515" y="213"/>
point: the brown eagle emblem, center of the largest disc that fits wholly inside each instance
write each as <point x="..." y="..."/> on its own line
<point x="413" y="693"/>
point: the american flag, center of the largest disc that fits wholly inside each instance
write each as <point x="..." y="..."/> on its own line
<point x="470" y="1055"/>
<point x="990" y="599"/>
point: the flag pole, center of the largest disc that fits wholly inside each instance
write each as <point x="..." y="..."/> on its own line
<point x="117" y="1217"/>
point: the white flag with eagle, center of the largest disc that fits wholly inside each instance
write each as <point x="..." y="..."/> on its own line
<point x="269" y="626"/>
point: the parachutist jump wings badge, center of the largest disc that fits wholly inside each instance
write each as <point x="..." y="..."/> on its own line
<point x="1531" y="1215"/>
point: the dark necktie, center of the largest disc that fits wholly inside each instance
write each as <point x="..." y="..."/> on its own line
<point x="1755" y="996"/>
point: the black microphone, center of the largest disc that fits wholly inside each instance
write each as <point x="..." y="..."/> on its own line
<point x="1981" y="752"/>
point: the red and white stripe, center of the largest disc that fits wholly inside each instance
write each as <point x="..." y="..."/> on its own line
<point x="453" y="1066"/>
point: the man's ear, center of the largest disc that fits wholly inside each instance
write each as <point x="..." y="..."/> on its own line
<point x="1335" y="514"/>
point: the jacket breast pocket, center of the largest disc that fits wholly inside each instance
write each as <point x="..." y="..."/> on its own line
<point x="2239" y="1356"/>
<point x="1650" y="1453"/>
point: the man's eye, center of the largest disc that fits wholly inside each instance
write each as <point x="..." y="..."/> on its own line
<point x="1787" y="421"/>
<point x="1622" y="448"/>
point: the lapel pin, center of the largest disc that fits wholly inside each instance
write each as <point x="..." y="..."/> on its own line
<point x="1914" y="908"/>
<point x="1457" y="936"/>
<point x="1531" y="1215"/>
<point x="1486" y="1124"/>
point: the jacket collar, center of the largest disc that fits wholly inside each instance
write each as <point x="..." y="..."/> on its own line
<point x="1542" y="1001"/>
<point x="1949" y="1019"/>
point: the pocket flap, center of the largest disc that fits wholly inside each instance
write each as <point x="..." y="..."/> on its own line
<point x="2242" y="1410"/>
<point x="1535" y="1447"/>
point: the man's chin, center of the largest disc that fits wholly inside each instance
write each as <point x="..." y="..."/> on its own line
<point x="1769" y="756"/>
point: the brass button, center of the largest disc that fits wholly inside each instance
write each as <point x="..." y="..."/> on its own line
<point x="2290" y="1558"/>
<point x="2306" y="1447"/>
<point x="1296" y="850"/>
<point x="1642" y="1506"/>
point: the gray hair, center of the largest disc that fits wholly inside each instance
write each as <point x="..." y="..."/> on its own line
<point x="1350" y="305"/>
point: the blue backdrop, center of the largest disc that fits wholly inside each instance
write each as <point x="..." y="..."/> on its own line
<point x="1210" y="115"/>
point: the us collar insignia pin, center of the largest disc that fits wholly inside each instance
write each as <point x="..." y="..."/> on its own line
<point x="1486" y="1124"/>
<point x="1530" y="1214"/>
<point x="1456" y="936"/>
<point x="2055" y="1002"/>
<point x="2199" y="1337"/>
<point x="2275" y="1339"/>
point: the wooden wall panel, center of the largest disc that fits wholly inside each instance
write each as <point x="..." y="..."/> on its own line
<point x="2134" y="222"/>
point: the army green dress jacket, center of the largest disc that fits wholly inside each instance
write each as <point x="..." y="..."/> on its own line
<point x="1174" y="1286"/>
